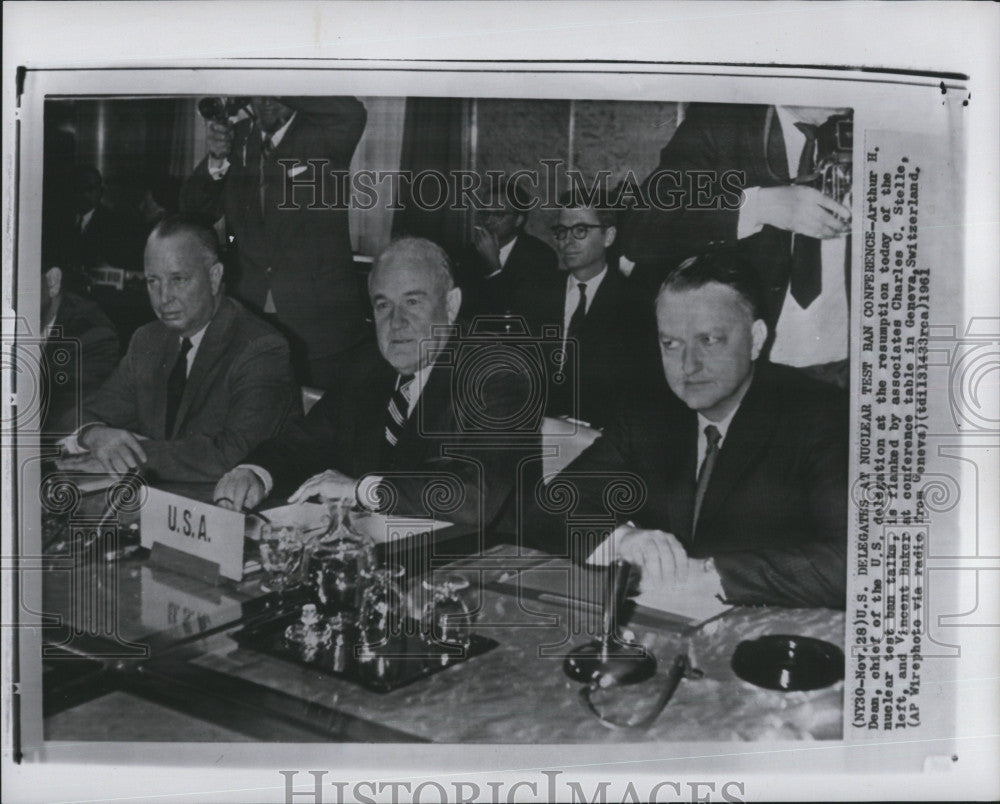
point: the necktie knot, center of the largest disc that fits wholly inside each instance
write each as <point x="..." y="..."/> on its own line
<point x="712" y="436"/>
<point x="185" y="346"/>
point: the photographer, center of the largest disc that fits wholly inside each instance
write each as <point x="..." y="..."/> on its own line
<point x="293" y="254"/>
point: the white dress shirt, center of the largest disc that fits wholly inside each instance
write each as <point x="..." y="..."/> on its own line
<point x="817" y="334"/>
<point x="504" y="255"/>
<point x="573" y="296"/>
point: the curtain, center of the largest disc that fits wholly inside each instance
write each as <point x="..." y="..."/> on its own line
<point x="434" y="140"/>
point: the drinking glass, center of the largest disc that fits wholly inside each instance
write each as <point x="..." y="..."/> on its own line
<point x="281" y="548"/>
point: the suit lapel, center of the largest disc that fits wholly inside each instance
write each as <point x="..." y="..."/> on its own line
<point x="749" y="433"/>
<point x="212" y="346"/>
<point x="679" y="461"/>
<point x="429" y="415"/>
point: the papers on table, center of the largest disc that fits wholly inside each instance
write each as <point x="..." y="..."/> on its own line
<point x="695" y="599"/>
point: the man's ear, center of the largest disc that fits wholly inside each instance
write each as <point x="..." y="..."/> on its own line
<point x="215" y="277"/>
<point x="53" y="281"/>
<point x="758" y="334"/>
<point x="609" y="236"/>
<point x="454" y="302"/>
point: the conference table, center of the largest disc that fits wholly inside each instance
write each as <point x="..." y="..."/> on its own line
<point x="137" y="651"/>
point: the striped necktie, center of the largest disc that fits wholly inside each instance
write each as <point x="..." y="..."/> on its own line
<point x="397" y="410"/>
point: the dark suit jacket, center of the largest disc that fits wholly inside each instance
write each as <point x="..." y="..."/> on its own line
<point x="716" y="138"/>
<point x="80" y="354"/>
<point x="239" y="392"/>
<point x="530" y="264"/>
<point x="616" y="351"/>
<point x="302" y="255"/>
<point x="112" y="237"/>
<point x="448" y="433"/>
<point x="774" y="516"/>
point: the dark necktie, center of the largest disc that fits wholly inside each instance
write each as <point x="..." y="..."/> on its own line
<point x="576" y="320"/>
<point x="266" y="152"/>
<point x="713" y="436"/>
<point x="175" y="386"/>
<point x="806" y="275"/>
<point x="396" y="412"/>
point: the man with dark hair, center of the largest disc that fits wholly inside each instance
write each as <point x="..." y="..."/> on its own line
<point x="504" y="265"/>
<point x="294" y="254"/>
<point x="605" y="323"/>
<point x="745" y="466"/>
<point x="409" y="416"/>
<point x="80" y="351"/>
<point x="199" y="387"/>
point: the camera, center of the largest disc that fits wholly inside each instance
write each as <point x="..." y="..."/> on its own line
<point x="222" y="109"/>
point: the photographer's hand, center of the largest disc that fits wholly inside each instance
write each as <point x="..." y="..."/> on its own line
<point x="219" y="137"/>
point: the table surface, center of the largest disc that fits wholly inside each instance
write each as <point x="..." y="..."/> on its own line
<point x="181" y="633"/>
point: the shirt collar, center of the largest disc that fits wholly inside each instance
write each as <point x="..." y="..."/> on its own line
<point x="723" y="424"/>
<point x="278" y="135"/>
<point x="506" y="250"/>
<point x="592" y="284"/>
<point x="197" y="337"/>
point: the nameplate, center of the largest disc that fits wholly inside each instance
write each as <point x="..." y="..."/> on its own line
<point x="198" y="529"/>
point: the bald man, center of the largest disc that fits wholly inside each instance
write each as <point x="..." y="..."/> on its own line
<point x="199" y="387"/>
<point x="409" y="419"/>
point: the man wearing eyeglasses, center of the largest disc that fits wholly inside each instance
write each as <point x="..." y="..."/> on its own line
<point x="607" y="329"/>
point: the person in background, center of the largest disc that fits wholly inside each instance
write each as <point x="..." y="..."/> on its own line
<point x="80" y="350"/>
<point x="199" y="387"/>
<point x="746" y="177"/>
<point x="293" y="255"/>
<point x="597" y="311"/>
<point x="504" y="266"/>
<point x="744" y="462"/>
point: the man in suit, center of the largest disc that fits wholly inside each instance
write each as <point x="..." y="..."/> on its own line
<point x="71" y="377"/>
<point x="504" y="265"/>
<point x="94" y="235"/>
<point x="199" y="387"/>
<point x="598" y="310"/>
<point x="279" y="177"/>
<point x="745" y="467"/>
<point x="411" y="417"/>
<point x="744" y="176"/>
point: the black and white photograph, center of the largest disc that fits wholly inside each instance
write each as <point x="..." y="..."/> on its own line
<point x="403" y="420"/>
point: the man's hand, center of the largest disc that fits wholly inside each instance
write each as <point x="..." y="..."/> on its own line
<point x="115" y="450"/>
<point x="328" y="485"/>
<point x="659" y="555"/>
<point x="803" y="210"/>
<point x="238" y="489"/>
<point x="487" y="246"/>
<point x="80" y="463"/>
<point x="219" y="138"/>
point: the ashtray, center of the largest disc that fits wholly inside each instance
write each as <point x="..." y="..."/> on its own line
<point x="788" y="663"/>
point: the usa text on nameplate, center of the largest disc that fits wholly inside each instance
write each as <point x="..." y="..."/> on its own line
<point x="195" y="528"/>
